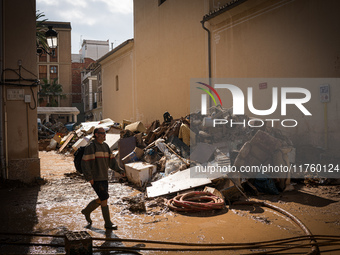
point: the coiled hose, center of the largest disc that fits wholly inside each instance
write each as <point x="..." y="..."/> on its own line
<point x="195" y="201"/>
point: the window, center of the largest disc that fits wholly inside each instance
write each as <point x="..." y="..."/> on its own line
<point x="99" y="78"/>
<point x="100" y="97"/>
<point x="117" y="83"/>
<point x="53" y="69"/>
<point x="54" y="56"/>
<point x="53" y="72"/>
<point x="42" y="72"/>
<point x="43" y="57"/>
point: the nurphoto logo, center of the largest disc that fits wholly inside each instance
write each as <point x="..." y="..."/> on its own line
<point x="239" y="103"/>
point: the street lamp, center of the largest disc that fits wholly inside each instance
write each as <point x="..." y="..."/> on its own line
<point x="52" y="41"/>
<point x="51" y="37"/>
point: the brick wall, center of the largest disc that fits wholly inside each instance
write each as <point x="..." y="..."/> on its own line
<point x="77" y="68"/>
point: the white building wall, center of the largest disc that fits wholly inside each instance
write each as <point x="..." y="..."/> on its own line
<point x="94" y="49"/>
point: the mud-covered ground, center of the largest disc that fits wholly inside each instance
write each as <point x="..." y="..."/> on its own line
<point x="53" y="208"/>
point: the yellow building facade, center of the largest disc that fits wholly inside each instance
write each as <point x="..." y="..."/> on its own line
<point x="116" y="85"/>
<point x="270" y="44"/>
<point x="295" y="42"/>
<point x="175" y="41"/>
<point x="58" y="66"/>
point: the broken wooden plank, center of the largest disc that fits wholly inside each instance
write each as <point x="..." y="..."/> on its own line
<point x="69" y="138"/>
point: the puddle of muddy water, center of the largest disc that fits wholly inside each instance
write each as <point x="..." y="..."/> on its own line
<point x="54" y="208"/>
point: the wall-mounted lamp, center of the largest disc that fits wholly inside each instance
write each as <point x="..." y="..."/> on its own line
<point x="52" y="38"/>
<point x="52" y="41"/>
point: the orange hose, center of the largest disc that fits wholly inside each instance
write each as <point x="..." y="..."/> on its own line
<point x="195" y="201"/>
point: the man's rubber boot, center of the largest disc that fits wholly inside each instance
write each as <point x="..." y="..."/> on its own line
<point x="106" y="216"/>
<point x="89" y="208"/>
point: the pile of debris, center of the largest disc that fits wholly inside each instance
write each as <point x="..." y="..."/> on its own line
<point x="48" y="130"/>
<point x="167" y="158"/>
<point x="49" y="135"/>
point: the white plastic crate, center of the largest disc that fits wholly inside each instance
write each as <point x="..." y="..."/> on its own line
<point x="139" y="173"/>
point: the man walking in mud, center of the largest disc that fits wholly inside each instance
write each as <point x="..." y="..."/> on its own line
<point x="95" y="163"/>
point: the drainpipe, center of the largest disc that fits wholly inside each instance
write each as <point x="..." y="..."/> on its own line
<point x="209" y="47"/>
<point x="209" y="55"/>
<point x="211" y="15"/>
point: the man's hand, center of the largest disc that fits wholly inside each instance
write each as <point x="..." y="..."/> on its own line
<point x="92" y="182"/>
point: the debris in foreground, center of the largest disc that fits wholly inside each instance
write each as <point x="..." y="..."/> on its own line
<point x="163" y="159"/>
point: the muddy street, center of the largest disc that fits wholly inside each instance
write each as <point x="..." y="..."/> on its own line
<point x="53" y="208"/>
